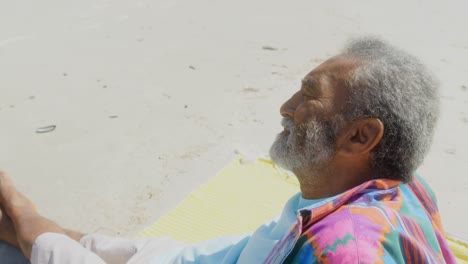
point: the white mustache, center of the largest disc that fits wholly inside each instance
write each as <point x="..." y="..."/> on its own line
<point x="288" y="123"/>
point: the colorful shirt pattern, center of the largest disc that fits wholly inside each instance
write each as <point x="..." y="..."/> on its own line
<point x="380" y="221"/>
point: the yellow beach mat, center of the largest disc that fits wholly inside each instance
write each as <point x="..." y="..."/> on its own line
<point x="218" y="208"/>
<point x="459" y="248"/>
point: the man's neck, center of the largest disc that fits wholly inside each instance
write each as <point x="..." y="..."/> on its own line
<point x="329" y="183"/>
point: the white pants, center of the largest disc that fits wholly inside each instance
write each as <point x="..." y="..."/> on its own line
<point x="52" y="248"/>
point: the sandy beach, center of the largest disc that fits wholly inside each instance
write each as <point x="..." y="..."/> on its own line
<point x="151" y="98"/>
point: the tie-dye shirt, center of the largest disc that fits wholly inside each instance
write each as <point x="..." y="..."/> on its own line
<point x="380" y="221"/>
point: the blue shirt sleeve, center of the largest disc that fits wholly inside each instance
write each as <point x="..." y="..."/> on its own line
<point x="215" y="251"/>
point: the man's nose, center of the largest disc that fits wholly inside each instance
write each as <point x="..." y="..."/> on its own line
<point x="289" y="107"/>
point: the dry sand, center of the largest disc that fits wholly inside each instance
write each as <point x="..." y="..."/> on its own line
<point x="151" y="98"/>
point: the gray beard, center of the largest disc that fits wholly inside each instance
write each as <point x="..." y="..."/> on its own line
<point x="308" y="146"/>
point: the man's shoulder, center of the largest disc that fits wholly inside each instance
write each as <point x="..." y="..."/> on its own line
<point x="369" y="229"/>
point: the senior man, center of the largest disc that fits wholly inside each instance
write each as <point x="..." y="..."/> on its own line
<point x="354" y="134"/>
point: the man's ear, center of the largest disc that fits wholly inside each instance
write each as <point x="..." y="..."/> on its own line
<point x="360" y="136"/>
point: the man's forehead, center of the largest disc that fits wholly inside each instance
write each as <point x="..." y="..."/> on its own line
<point x="334" y="67"/>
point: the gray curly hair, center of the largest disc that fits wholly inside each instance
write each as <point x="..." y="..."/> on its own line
<point x="395" y="87"/>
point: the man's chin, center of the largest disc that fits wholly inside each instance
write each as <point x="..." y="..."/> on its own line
<point x="285" y="153"/>
<point x="280" y="160"/>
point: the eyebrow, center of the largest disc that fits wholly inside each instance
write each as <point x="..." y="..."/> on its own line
<point x="309" y="83"/>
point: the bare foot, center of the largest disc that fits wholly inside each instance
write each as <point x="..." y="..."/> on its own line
<point x="7" y="230"/>
<point x="27" y="222"/>
<point x="12" y="201"/>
